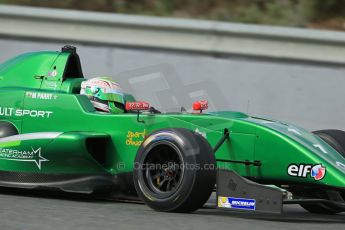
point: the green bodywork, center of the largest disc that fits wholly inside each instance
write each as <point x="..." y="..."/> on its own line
<point x="39" y="95"/>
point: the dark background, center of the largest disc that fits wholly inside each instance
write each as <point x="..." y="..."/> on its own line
<point x="323" y="14"/>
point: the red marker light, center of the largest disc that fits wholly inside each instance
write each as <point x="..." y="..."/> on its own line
<point x="200" y="105"/>
<point x="138" y="106"/>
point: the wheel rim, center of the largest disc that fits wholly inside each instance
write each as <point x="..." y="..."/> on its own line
<point x="163" y="169"/>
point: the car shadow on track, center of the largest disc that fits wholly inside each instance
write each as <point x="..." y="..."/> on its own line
<point x="294" y="214"/>
<point x="58" y="195"/>
<point x="291" y="213"/>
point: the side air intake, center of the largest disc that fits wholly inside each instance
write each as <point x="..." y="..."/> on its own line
<point x="97" y="147"/>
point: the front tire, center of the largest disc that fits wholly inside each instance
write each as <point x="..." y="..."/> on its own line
<point x="336" y="139"/>
<point x="175" y="170"/>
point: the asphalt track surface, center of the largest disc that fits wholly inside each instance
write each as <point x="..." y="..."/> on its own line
<point x="37" y="212"/>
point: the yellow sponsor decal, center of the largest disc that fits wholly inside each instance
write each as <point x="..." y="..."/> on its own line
<point x="135" y="138"/>
<point x="223" y="202"/>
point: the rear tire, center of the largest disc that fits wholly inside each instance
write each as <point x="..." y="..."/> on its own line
<point x="7" y="129"/>
<point x="175" y="170"/>
<point x="336" y="139"/>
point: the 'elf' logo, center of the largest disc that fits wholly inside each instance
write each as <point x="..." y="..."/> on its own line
<point x="317" y="171"/>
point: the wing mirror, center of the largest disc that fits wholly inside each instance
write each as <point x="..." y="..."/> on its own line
<point x="137" y="106"/>
<point x="200" y="105"/>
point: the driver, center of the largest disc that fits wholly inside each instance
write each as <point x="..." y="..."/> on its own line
<point x="105" y="94"/>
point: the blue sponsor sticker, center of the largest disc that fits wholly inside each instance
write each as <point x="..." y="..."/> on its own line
<point x="236" y="203"/>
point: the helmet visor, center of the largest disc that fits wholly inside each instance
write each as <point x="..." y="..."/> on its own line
<point x="105" y="95"/>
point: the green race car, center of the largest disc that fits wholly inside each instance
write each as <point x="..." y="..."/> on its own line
<point x="53" y="138"/>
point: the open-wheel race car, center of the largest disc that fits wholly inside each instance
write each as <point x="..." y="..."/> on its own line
<point x="53" y="138"/>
